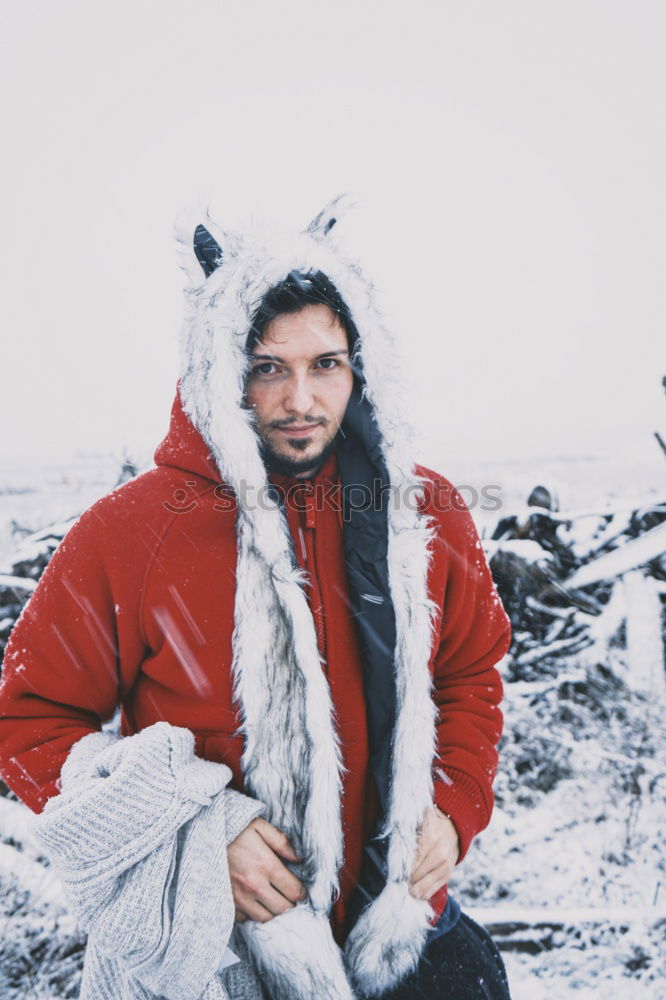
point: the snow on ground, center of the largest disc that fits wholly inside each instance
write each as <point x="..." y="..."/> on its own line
<point x="576" y="839"/>
<point x="35" y="494"/>
<point x="571" y="873"/>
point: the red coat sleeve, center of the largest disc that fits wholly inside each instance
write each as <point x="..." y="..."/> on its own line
<point x="61" y="675"/>
<point x="475" y="633"/>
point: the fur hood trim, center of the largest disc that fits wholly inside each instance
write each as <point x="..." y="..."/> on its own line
<point x="292" y="759"/>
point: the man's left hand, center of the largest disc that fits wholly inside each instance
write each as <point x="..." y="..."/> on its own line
<point x="438" y="851"/>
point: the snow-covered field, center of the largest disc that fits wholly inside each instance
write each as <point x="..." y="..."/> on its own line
<point x="35" y="494"/>
<point x="570" y="875"/>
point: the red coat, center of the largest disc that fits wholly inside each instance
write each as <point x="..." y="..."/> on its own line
<point x="136" y="608"/>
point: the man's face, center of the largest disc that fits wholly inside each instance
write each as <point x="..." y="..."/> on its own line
<point x="299" y="386"/>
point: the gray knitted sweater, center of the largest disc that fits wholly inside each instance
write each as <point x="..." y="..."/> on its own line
<point x="138" y="837"/>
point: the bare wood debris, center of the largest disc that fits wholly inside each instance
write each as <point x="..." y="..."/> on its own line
<point x="584" y="587"/>
<point x="31" y="557"/>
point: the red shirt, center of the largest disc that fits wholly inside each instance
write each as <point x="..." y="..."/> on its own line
<point x="315" y="521"/>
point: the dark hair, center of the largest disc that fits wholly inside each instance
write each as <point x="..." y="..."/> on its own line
<point x="293" y="293"/>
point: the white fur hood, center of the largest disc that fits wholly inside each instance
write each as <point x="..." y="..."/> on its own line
<point x="292" y="761"/>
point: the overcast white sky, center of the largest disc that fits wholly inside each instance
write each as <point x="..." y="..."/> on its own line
<point x="508" y="163"/>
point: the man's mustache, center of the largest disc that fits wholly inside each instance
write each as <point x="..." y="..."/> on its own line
<point x="280" y="424"/>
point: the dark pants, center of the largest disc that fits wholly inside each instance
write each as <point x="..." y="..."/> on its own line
<point x="463" y="964"/>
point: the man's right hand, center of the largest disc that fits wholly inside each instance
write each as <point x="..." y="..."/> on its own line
<point x="262" y="886"/>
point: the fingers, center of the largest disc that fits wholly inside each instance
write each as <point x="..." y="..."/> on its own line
<point x="438" y="862"/>
<point x="286" y="883"/>
<point x="430" y="883"/>
<point x="438" y="851"/>
<point x="262" y="886"/>
<point x="274" y="901"/>
<point x="276" y="839"/>
<point x="422" y="864"/>
<point x="453" y="835"/>
<point x="260" y="900"/>
<point x="438" y="856"/>
<point x="438" y="844"/>
<point x="252" y="909"/>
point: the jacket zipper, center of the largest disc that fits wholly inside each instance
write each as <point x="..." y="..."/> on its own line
<point x="318" y="607"/>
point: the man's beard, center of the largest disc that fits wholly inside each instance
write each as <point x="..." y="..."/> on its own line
<point x="292" y="467"/>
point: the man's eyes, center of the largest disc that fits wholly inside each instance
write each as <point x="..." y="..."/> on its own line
<point x="327" y="364"/>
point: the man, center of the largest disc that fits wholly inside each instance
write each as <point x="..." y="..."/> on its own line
<point x="314" y="608"/>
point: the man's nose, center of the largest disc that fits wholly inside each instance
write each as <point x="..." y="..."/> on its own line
<point x="298" y="397"/>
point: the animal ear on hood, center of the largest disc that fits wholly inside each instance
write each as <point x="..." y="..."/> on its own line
<point x="202" y="245"/>
<point x="207" y="249"/>
<point x="322" y="223"/>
